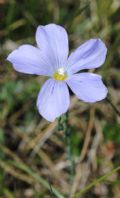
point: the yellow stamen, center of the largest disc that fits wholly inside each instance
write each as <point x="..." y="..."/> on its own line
<point x="60" y="74"/>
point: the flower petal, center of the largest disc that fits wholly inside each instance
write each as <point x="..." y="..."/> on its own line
<point x="30" y="60"/>
<point x="89" y="55"/>
<point x="87" y="87"/>
<point x="53" y="40"/>
<point x="53" y="99"/>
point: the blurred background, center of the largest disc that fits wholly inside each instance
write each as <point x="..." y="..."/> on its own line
<point x="32" y="150"/>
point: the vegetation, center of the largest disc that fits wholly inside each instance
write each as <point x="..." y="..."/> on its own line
<point x="33" y="161"/>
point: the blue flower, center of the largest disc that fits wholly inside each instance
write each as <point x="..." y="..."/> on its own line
<point x="51" y="59"/>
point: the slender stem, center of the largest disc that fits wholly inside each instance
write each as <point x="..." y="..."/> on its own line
<point x="95" y="182"/>
<point x="113" y="106"/>
<point x="51" y="190"/>
<point x="69" y="147"/>
<point x="64" y="125"/>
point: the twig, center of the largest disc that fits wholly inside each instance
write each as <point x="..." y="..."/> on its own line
<point x="88" y="134"/>
<point x="113" y="106"/>
<point x="95" y="182"/>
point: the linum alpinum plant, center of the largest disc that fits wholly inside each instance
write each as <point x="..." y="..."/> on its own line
<point x="51" y="58"/>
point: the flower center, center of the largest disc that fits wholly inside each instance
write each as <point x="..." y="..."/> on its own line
<point x="60" y="74"/>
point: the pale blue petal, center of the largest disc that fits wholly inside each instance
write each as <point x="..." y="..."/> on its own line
<point x="87" y="87"/>
<point x="89" y="55"/>
<point x="53" y="41"/>
<point x="30" y="60"/>
<point x="53" y="99"/>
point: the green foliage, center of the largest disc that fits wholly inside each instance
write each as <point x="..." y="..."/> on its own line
<point x="111" y="131"/>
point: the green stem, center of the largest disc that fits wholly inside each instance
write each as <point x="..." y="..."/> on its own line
<point x="95" y="182"/>
<point x="63" y="124"/>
